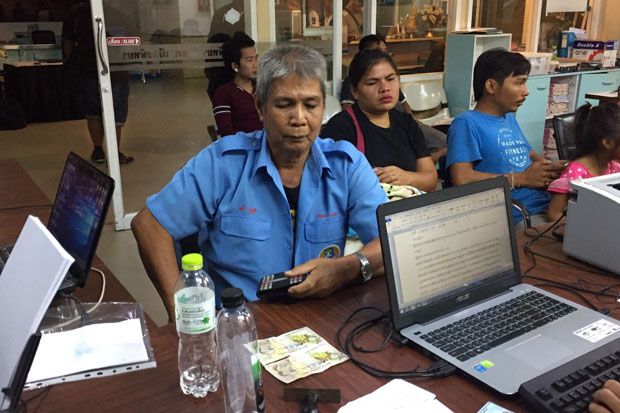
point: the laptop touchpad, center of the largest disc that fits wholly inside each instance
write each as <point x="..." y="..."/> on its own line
<point x="539" y="352"/>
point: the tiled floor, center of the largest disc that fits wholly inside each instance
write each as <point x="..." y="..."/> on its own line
<point x="167" y="124"/>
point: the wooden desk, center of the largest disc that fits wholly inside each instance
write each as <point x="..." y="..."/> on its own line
<point x="156" y="390"/>
<point x="604" y="97"/>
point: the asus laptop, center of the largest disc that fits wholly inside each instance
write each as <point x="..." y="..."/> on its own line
<point x="455" y="289"/>
<point x="78" y="216"/>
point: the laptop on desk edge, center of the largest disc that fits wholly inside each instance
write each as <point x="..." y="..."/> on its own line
<point x="78" y="216"/>
<point x="452" y="254"/>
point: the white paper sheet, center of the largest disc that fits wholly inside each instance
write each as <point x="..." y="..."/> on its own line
<point x="397" y="396"/>
<point x="29" y="281"/>
<point x="88" y="348"/>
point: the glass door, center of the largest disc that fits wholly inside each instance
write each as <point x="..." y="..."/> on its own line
<point x="151" y="61"/>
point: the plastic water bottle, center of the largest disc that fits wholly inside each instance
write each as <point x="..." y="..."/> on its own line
<point x="194" y="306"/>
<point x="238" y="354"/>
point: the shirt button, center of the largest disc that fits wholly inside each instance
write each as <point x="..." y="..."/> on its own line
<point x="253" y="143"/>
<point x="288" y="247"/>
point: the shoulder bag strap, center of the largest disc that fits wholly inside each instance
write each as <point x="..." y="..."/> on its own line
<point x="360" y="135"/>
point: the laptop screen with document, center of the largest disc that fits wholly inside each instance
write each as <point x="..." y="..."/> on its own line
<point x="444" y="244"/>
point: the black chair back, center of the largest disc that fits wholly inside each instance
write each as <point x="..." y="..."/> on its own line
<point x="43" y="37"/>
<point x="564" y="133"/>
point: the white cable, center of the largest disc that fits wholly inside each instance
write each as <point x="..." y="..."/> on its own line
<point x="90" y="310"/>
<point x="93" y="308"/>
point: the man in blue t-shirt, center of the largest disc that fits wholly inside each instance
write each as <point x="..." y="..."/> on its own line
<point x="487" y="142"/>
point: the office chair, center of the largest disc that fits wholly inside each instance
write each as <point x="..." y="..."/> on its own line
<point x="425" y="97"/>
<point x="332" y="107"/>
<point x="564" y="133"/>
<point x="43" y="37"/>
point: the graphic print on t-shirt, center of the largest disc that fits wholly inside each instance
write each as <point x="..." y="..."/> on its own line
<point x="513" y="149"/>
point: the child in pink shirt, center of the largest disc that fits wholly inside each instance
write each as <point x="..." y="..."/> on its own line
<point x="597" y="137"/>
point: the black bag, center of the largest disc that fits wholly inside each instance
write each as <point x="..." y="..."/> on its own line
<point x="11" y="115"/>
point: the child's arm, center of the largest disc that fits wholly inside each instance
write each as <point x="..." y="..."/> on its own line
<point x="558" y="203"/>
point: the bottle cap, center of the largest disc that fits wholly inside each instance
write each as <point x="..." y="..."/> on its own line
<point x="232" y="297"/>
<point x="191" y="262"/>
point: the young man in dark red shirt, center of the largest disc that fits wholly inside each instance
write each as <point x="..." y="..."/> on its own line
<point x="233" y="102"/>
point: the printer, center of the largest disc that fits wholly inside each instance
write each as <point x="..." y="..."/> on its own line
<point x="593" y="222"/>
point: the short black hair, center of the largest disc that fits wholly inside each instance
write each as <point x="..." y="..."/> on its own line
<point x="498" y="64"/>
<point x="231" y="49"/>
<point x="366" y="60"/>
<point x="368" y="40"/>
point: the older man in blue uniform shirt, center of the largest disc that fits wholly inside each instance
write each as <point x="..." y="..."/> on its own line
<point x="273" y="200"/>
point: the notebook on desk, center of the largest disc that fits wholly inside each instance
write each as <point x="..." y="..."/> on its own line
<point x="454" y="285"/>
<point x="77" y="217"/>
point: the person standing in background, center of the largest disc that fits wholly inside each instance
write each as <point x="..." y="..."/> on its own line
<point x="80" y="61"/>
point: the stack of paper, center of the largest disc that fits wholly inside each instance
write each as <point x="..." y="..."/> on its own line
<point x="398" y="396"/>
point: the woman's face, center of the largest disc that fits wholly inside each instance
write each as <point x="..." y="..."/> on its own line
<point x="377" y="91"/>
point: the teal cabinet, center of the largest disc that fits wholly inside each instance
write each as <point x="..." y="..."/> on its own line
<point x="462" y="51"/>
<point x="597" y="82"/>
<point x="531" y="115"/>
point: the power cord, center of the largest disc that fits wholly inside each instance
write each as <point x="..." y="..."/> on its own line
<point x="85" y="313"/>
<point x="438" y="369"/>
<point x="24" y="402"/>
<point x="527" y="248"/>
<point x="577" y="290"/>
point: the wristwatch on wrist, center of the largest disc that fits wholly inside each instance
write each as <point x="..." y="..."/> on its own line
<point x="366" y="269"/>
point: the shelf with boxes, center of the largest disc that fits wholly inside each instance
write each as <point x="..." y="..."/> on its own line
<point x="558" y="94"/>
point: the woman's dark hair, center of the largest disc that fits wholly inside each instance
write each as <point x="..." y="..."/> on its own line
<point x="366" y="60"/>
<point x="231" y="50"/>
<point x="368" y="41"/>
<point x="498" y="64"/>
<point x="595" y="123"/>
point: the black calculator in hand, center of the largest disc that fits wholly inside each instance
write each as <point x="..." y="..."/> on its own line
<point x="277" y="285"/>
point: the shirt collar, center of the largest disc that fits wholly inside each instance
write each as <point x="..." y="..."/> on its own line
<point x="316" y="162"/>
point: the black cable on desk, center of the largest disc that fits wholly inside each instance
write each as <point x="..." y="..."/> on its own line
<point x="528" y="250"/>
<point x="440" y="368"/>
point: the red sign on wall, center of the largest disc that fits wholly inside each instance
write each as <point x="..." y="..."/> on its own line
<point x="124" y="41"/>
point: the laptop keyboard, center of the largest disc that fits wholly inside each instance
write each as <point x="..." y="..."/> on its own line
<point x="569" y="388"/>
<point x="494" y="326"/>
<point x="4" y="255"/>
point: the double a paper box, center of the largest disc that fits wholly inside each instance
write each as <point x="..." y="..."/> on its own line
<point x="600" y="51"/>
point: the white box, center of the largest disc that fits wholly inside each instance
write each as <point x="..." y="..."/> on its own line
<point x="600" y="51"/>
<point x="540" y="62"/>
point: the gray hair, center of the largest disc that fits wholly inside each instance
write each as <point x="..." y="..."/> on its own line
<point x="286" y="60"/>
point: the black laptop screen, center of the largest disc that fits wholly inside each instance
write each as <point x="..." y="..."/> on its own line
<point x="79" y="210"/>
<point x="447" y="247"/>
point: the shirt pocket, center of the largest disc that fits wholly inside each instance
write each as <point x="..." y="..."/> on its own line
<point x="243" y="227"/>
<point x="325" y="231"/>
<point x="244" y="243"/>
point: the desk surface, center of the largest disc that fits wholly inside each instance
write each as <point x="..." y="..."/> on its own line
<point x="603" y="97"/>
<point x="157" y="389"/>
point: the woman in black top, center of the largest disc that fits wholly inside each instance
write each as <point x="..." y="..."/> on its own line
<point x="393" y="142"/>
